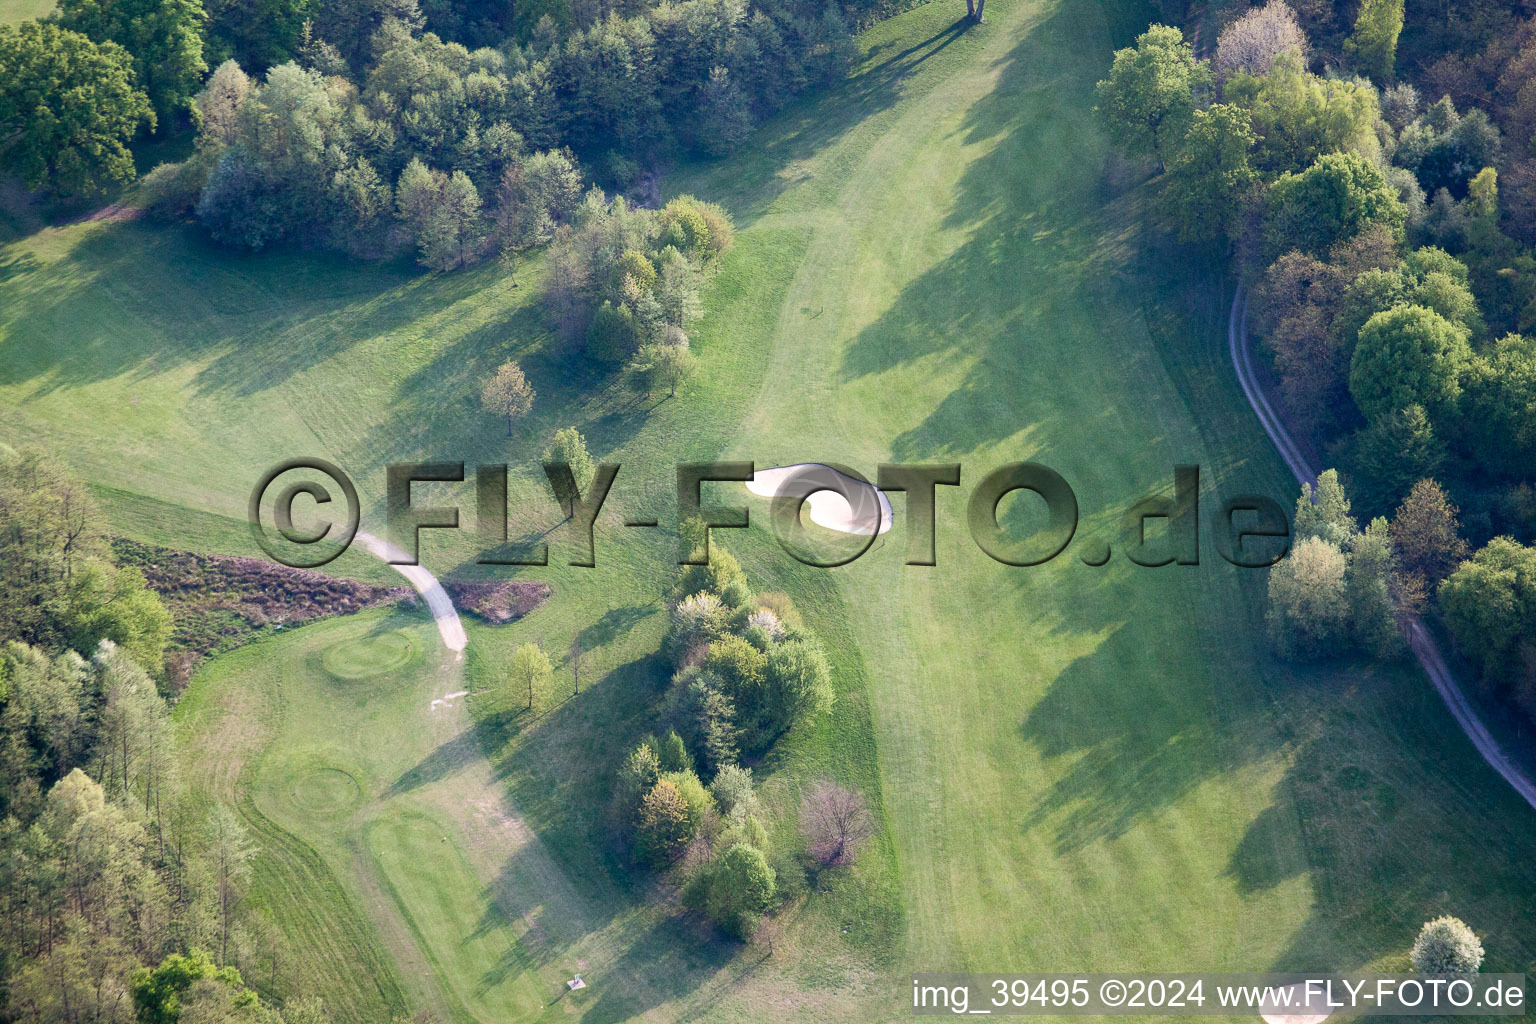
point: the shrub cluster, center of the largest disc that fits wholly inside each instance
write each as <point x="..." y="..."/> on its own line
<point x="747" y="669"/>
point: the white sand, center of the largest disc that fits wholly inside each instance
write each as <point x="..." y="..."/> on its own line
<point x="1312" y="1008"/>
<point x="868" y="512"/>
<point x="443" y="611"/>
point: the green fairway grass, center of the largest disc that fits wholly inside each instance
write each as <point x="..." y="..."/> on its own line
<point x="13" y="11"/>
<point x="1073" y="768"/>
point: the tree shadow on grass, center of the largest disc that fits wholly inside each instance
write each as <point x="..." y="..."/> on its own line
<point x="768" y="166"/>
<point x="261" y="317"/>
<point x="1399" y="821"/>
<point x="445" y="760"/>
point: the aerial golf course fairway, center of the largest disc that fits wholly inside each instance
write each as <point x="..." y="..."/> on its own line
<point x="1073" y="767"/>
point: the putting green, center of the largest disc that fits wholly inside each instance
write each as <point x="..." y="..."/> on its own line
<point x="368" y="656"/>
<point x="325" y="793"/>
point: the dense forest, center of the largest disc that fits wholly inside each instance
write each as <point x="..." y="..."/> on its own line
<point x="1369" y="172"/>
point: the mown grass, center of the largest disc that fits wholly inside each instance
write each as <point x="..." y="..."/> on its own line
<point x="1074" y="768"/>
<point x="14" y="11"/>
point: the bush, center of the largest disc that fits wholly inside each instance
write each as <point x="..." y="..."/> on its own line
<point x="170" y="191"/>
<point x="1446" y="946"/>
<point x="732" y="787"/>
<point x="740" y="887"/>
<point x="614" y="335"/>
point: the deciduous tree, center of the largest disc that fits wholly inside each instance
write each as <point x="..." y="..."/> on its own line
<point x="165" y="38"/>
<point x="530" y="670"/>
<point x="1408" y="355"/>
<point x="1374" y="41"/>
<point x="1426" y="534"/>
<point x="1149" y="96"/>
<point x="836" y="823"/>
<point x="1446" y="945"/>
<point x="508" y="393"/>
<point x="68" y="108"/>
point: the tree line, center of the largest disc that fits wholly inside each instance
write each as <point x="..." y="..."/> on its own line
<point x="1390" y="280"/>
<point x="120" y="895"/>
<point x="346" y="94"/>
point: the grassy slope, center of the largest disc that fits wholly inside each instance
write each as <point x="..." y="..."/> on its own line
<point x="1077" y="768"/>
<point x="13" y="11"/>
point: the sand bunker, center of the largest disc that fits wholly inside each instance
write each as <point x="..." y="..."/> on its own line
<point x="443" y="612"/>
<point x="1304" y="1007"/>
<point x="837" y="501"/>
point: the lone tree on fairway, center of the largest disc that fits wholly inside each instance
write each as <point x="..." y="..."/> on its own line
<point x="508" y="393"/>
<point x="569" y="447"/>
<point x="1446" y="946"/>
<point x="1149" y="96"/>
<point x="835" y="822"/>
<point x="530" y="668"/>
<point x="578" y="651"/>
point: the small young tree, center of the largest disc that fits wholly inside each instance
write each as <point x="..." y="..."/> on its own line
<point x="508" y="393"/>
<point x="835" y="822"/>
<point x="569" y="447"/>
<point x="1446" y="946"/>
<point x="578" y="651"/>
<point x="530" y="669"/>
<point x="768" y="934"/>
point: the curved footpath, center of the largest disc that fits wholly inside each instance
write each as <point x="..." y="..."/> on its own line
<point x="1419" y="639"/>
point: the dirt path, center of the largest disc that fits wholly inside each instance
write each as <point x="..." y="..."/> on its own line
<point x="1419" y="639"/>
<point x="443" y="612"/>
